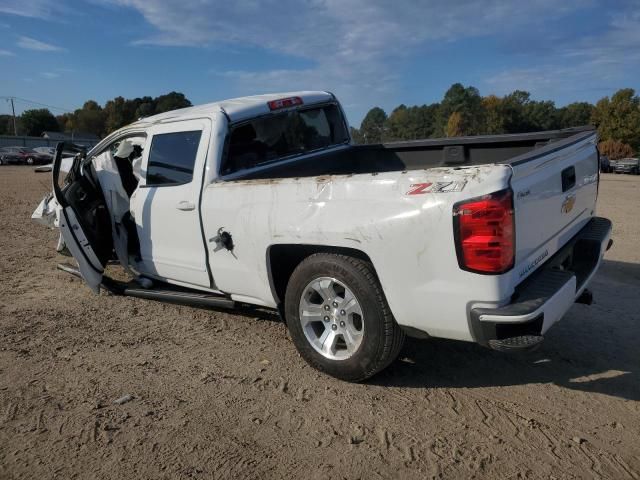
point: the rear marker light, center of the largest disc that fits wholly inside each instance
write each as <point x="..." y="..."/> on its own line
<point x="484" y="233"/>
<point x="284" y="103"/>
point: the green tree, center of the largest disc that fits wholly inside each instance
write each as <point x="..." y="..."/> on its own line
<point x="36" y="121"/>
<point x="513" y="112"/>
<point x="397" y="125"/>
<point x="6" y="125"/>
<point x="121" y="111"/>
<point x="468" y="103"/>
<point x="618" y="118"/>
<point x="575" y="114"/>
<point x="540" y="116"/>
<point x="171" y="101"/>
<point x="90" y="118"/>
<point x="146" y="107"/>
<point x="494" y="120"/>
<point x="411" y="123"/>
<point x="63" y="120"/>
<point x="118" y="113"/>
<point x="372" y="126"/>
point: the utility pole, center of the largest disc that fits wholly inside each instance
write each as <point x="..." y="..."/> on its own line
<point x="13" y="109"/>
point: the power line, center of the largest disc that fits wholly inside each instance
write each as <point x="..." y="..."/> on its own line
<point x="32" y="102"/>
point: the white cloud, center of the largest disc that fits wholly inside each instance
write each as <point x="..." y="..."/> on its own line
<point x="594" y="63"/>
<point x="33" y="44"/>
<point x="32" y="8"/>
<point x="6" y="53"/>
<point x="355" y="47"/>
<point x="50" y="75"/>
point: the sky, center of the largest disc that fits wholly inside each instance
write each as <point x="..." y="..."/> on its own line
<point x="368" y="52"/>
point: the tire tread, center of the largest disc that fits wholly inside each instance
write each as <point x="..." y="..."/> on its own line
<point x="392" y="340"/>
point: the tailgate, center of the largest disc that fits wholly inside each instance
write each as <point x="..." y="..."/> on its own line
<point x="555" y="190"/>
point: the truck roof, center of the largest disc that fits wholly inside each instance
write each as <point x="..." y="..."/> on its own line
<point x="238" y="109"/>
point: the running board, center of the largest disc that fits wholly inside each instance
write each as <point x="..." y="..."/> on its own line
<point x="180" y="297"/>
<point x="165" y="293"/>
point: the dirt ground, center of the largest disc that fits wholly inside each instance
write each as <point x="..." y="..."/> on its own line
<point x="225" y="395"/>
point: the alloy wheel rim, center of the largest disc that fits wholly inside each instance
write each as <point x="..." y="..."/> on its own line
<point x="331" y="318"/>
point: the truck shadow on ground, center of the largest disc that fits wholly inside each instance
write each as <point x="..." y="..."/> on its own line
<point x="593" y="349"/>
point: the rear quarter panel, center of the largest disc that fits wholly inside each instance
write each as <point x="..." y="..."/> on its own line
<point x="408" y="237"/>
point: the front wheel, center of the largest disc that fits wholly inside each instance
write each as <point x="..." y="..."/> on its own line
<point x="30" y="161"/>
<point x="339" y="319"/>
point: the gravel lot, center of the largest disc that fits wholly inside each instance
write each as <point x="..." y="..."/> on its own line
<point x="225" y="395"/>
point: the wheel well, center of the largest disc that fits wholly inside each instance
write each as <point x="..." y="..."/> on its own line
<point x="282" y="260"/>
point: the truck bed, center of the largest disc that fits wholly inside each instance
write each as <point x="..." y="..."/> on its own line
<point x="510" y="149"/>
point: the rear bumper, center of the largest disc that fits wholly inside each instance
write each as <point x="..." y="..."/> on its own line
<point x="543" y="298"/>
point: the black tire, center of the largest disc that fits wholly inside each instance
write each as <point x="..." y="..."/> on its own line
<point x="30" y="161"/>
<point x="382" y="337"/>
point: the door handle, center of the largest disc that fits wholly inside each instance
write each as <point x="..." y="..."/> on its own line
<point x="186" y="206"/>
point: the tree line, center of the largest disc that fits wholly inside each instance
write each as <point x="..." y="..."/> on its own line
<point x="93" y="118"/>
<point x="463" y="111"/>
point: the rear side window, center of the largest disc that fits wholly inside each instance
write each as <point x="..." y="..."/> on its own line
<point x="267" y="139"/>
<point x="172" y="157"/>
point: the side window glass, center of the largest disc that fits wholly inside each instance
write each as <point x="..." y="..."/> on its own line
<point x="172" y="157"/>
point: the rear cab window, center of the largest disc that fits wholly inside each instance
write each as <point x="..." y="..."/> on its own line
<point x="277" y="136"/>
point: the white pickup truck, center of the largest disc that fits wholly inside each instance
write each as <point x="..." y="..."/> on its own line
<point x="264" y="200"/>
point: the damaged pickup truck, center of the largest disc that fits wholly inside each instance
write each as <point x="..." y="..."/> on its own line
<point x="265" y="201"/>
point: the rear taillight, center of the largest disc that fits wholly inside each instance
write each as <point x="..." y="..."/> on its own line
<point x="484" y="233"/>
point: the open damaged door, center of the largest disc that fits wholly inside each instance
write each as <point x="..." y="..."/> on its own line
<point x="84" y="219"/>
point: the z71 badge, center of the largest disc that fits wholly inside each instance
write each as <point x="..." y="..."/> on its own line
<point x="436" y="187"/>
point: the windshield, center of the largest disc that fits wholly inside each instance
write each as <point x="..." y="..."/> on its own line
<point x="266" y="139"/>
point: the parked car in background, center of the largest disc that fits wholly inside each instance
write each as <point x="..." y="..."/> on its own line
<point x="49" y="151"/>
<point x="22" y="155"/>
<point x="605" y="164"/>
<point x="628" y="165"/>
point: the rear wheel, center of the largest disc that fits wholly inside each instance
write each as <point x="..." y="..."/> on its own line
<point x="339" y="319"/>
